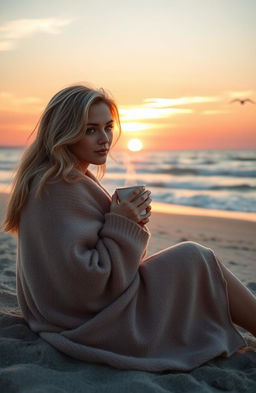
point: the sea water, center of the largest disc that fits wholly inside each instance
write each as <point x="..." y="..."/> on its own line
<point x="211" y="179"/>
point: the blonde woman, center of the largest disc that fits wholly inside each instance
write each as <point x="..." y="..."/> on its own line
<point x="84" y="283"/>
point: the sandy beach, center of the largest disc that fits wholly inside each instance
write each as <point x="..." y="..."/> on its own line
<point x="28" y="364"/>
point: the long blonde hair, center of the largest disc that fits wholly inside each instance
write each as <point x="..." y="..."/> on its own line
<point x="61" y="124"/>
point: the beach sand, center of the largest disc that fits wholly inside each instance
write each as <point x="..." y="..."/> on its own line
<point x="28" y="364"/>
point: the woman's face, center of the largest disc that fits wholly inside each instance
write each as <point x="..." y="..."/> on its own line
<point x="93" y="147"/>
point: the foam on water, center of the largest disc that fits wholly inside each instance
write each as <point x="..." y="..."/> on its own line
<point x="212" y="179"/>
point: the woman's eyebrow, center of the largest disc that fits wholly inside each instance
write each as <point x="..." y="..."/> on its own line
<point x="95" y="124"/>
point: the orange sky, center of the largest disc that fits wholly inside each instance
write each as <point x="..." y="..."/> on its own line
<point x="172" y="66"/>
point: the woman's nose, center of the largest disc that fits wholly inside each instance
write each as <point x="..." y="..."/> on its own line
<point x="104" y="137"/>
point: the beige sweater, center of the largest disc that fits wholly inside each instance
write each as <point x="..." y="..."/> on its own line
<point x="84" y="285"/>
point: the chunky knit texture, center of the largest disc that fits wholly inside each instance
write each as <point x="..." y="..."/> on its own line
<point x="84" y="284"/>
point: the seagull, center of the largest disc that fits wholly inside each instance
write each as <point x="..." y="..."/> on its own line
<point x="242" y="101"/>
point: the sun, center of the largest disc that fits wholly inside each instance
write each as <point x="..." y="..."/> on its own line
<point x="135" y="144"/>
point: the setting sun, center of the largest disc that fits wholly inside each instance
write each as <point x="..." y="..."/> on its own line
<point x="135" y="144"/>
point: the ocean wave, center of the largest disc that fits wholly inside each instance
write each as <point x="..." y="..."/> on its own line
<point x="229" y="173"/>
<point x="198" y="172"/>
<point x="117" y="170"/>
<point x="7" y="168"/>
<point x="234" y="203"/>
<point x="181" y="171"/>
<point x="6" y="164"/>
<point x="240" y="158"/>
<point x="200" y="186"/>
<point x="236" y="187"/>
<point x="223" y="180"/>
<point x="158" y="184"/>
<point x="167" y="171"/>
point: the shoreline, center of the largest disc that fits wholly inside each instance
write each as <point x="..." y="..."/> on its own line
<point x="166" y="208"/>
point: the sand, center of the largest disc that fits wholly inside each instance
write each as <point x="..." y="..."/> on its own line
<point x="28" y="364"/>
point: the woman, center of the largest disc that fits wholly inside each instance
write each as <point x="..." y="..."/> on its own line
<point x="84" y="283"/>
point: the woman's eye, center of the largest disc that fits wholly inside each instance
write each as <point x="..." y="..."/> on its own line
<point x="90" y="131"/>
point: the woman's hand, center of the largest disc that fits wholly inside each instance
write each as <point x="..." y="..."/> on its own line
<point x="132" y="206"/>
<point x="145" y="220"/>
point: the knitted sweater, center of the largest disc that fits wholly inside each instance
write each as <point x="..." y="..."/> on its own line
<point x="85" y="286"/>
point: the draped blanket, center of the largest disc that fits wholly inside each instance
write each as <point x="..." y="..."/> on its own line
<point x="85" y="285"/>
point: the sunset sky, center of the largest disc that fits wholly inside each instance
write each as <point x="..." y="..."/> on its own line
<point x="172" y="66"/>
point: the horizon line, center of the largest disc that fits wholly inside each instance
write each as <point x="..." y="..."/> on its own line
<point x="145" y="149"/>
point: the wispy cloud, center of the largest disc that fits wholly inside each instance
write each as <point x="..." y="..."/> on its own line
<point x="13" y="31"/>
<point x="136" y="127"/>
<point x="215" y="112"/>
<point x="7" y="45"/>
<point x="167" y="102"/>
<point x="241" y="93"/>
<point x="11" y="103"/>
<point x="142" y="117"/>
<point x="130" y="113"/>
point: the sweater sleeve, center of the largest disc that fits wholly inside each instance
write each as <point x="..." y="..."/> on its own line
<point x="85" y="251"/>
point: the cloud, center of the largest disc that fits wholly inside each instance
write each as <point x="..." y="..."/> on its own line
<point x="130" y="113"/>
<point x="135" y="127"/>
<point x="167" y="102"/>
<point x="143" y="117"/>
<point x="6" y="45"/>
<point x="17" y="29"/>
<point x="240" y="94"/>
<point x="140" y="126"/>
<point x="215" y="112"/>
<point x="8" y="102"/>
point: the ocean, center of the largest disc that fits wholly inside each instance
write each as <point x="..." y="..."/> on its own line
<point x="210" y="179"/>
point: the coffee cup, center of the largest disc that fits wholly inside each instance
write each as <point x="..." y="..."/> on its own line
<point x="123" y="192"/>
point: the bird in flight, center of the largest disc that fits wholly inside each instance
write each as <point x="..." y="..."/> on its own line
<point x="243" y="101"/>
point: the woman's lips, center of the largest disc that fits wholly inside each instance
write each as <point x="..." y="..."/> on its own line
<point x="102" y="152"/>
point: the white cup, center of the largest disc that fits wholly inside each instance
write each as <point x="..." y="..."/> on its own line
<point x="123" y="192"/>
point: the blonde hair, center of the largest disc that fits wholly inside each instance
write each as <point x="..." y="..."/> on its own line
<point x="61" y="124"/>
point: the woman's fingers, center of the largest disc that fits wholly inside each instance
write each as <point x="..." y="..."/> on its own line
<point x="133" y="205"/>
<point x="144" y="221"/>
<point x="143" y="197"/>
<point x="136" y="212"/>
<point x="134" y="194"/>
<point x="145" y="204"/>
<point x="145" y="217"/>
